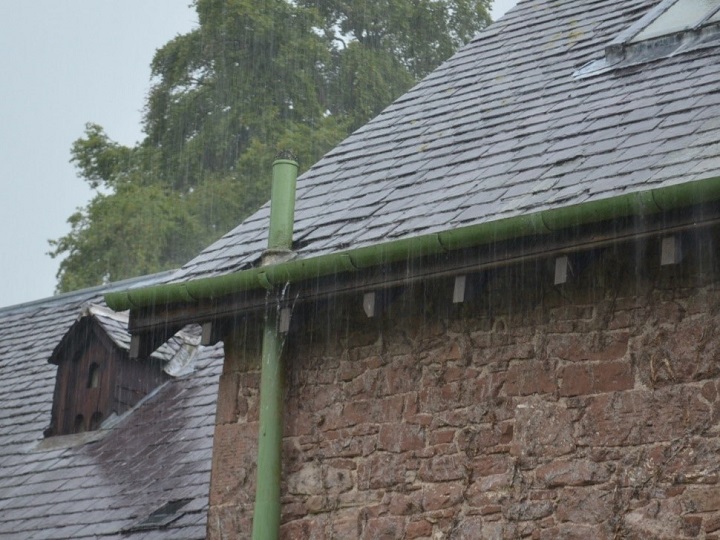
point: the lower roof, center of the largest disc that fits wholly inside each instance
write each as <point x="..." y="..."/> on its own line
<point x="97" y="487"/>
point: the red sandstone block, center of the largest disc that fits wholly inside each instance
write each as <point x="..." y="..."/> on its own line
<point x="692" y="525"/>
<point x="343" y="524"/>
<point x="233" y="464"/>
<point x="439" y="496"/>
<point x="296" y="530"/>
<point x="401" y="375"/>
<point x="572" y="473"/>
<point x="404" y="504"/>
<point x="517" y="351"/>
<point x="597" y="347"/>
<point x="349" y="370"/>
<point x="418" y="529"/>
<point x="384" y="528"/>
<point x="346" y="446"/>
<point x="528" y="511"/>
<point x="342" y="464"/>
<point x="441" y="436"/>
<point x="291" y="509"/>
<point x="320" y="397"/>
<point x="574" y="531"/>
<point x="542" y="428"/>
<point x="530" y="377"/>
<point x="420" y="419"/>
<point x="373" y="411"/>
<point x="452" y="373"/>
<point x="227" y="399"/>
<point x="444" y="468"/>
<point x="228" y="522"/>
<point x="712" y="523"/>
<point x="487" y="492"/>
<point x="487" y="465"/>
<point x="491" y="509"/>
<point x="401" y="437"/>
<point x="476" y="441"/>
<point x="301" y="423"/>
<point x="434" y="396"/>
<point x="622" y="320"/>
<point x="612" y="419"/>
<point x="709" y="391"/>
<point x="702" y="500"/>
<point x="584" y="379"/>
<point x="470" y="528"/>
<point x="494" y="482"/>
<point x="587" y="505"/>
<point x="381" y="470"/>
<point x="477" y="498"/>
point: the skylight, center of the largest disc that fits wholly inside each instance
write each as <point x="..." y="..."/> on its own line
<point x="680" y="16"/>
<point x="671" y="27"/>
<point x="160" y="518"/>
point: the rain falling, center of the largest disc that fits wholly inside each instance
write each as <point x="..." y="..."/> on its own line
<point x="403" y="273"/>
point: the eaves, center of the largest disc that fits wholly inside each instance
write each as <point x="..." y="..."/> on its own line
<point x="157" y="312"/>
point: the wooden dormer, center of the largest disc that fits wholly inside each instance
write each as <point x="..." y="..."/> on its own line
<point x="96" y="379"/>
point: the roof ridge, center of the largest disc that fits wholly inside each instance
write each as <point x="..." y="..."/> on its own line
<point x="61" y="298"/>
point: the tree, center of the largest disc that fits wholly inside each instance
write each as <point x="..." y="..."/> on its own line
<point x="254" y="78"/>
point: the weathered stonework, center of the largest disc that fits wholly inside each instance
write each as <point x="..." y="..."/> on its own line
<point x="588" y="410"/>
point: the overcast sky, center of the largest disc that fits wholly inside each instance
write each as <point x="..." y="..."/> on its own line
<point x="65" y="63"/>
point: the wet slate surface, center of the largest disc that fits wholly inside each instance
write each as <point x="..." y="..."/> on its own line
<point x="501" y="129"/>
<point x="115" y="326"/>
<point x="158" y="453"/>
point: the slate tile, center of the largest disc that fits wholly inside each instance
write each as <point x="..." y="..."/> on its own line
<point x="478" y="211"/>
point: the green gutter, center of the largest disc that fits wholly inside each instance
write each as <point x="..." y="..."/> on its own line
<point x="546" y="221"/>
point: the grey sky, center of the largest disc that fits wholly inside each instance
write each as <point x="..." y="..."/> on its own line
<point x="64" y="64"/>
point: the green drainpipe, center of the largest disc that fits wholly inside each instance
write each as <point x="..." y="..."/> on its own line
<point x="266" y="519"/>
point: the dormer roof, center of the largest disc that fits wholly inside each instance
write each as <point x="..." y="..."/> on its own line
<point x="176" y="354"/>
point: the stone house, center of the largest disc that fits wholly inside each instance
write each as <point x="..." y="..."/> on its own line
<point x="94" y="444"/>
<point x="498" y="314"/>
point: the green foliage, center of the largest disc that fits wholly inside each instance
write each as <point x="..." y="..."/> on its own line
<point x="253" y="79"/>
<point x="143" y="225"/>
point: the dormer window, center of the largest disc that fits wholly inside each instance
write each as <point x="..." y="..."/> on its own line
<point x="96" y="379"/>
<point x="93" y="376"/>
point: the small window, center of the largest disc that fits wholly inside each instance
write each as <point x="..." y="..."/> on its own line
<point x="93" y="376"/>
<point x="79" y="423"/>
<point x="96" y="420"/>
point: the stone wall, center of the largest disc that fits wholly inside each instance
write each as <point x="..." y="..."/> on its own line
<point x="586" y="410"/>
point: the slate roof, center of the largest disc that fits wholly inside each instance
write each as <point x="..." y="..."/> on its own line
<point x="60" y="488"/>
<point x="177" y="354"/>
<point x="502" y="129"/>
